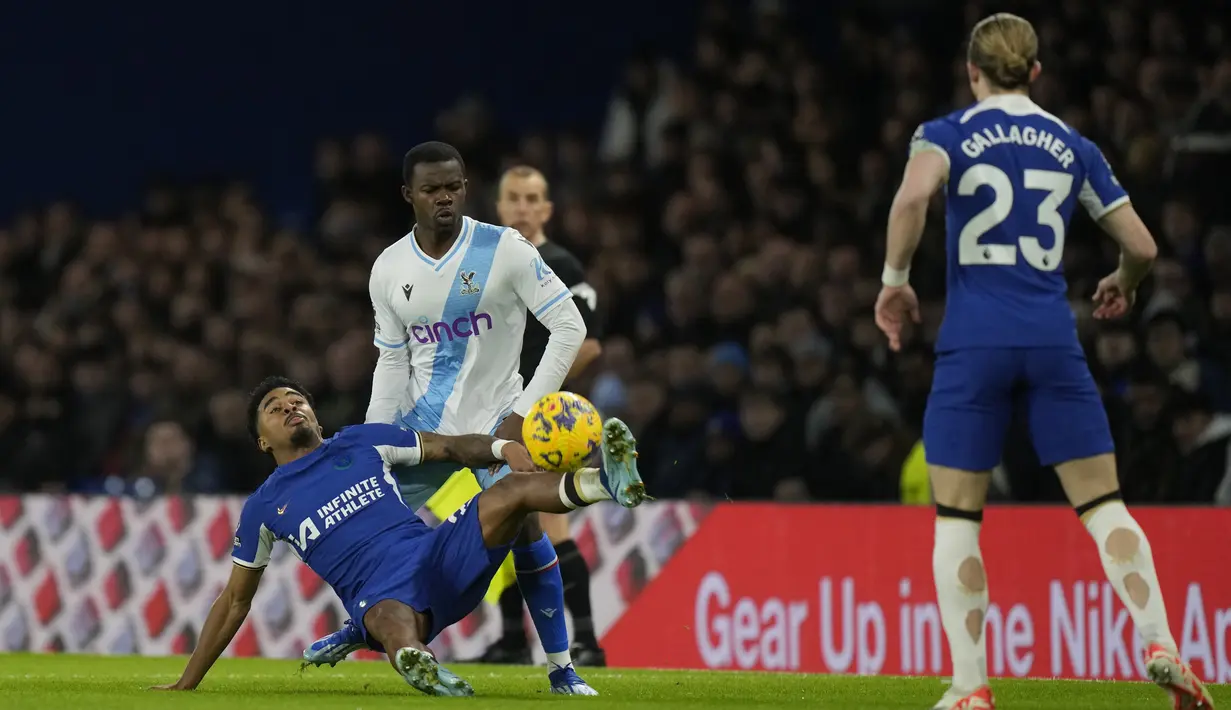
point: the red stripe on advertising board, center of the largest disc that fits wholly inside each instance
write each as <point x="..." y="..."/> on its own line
<point x="848" y="589"/>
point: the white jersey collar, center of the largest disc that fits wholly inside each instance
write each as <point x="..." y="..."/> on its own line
<point x="438" y="264"/>
<point x="1013" y="105"/>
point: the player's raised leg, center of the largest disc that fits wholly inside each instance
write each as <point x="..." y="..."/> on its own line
<point x="402" y="630"/>
<point x="505" y="506"/>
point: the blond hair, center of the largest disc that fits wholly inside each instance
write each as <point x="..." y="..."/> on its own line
<point x="525" y="171"/>
<point x="1005" y="48"/>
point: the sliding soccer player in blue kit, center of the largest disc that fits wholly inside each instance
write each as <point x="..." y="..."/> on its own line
<point x="337" y="504"/>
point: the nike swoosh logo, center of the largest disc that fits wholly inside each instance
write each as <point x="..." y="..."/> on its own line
<point x="282" y="509"/>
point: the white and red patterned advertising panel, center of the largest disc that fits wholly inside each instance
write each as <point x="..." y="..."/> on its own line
<point x="810" y="588"/>
<point x="121" y="576"/>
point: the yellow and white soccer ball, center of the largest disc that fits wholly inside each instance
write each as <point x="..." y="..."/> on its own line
<point x="562" y="431"/>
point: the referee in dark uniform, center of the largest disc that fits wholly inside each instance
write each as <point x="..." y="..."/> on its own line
<point x="523" y="204"/>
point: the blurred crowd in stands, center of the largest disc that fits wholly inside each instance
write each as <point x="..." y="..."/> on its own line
<point x="731" y="213"/>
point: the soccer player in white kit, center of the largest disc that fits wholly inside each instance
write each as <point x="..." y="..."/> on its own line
<point x="450" y="299"/>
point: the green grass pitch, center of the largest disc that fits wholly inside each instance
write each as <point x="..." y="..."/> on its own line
<point x="44" y="682"/>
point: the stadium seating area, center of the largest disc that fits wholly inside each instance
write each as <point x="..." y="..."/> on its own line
<point x="731" y="211"/>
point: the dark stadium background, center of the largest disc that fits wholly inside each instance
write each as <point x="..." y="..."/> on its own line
<point x="108" y="378"/>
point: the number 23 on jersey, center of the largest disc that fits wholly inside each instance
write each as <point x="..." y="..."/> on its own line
<point x="972" y="252"/>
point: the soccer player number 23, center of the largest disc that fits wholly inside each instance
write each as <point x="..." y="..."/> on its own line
<point x="1058" y="186"/>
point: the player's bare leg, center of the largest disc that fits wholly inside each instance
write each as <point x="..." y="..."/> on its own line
<point x="961" y="583"/>
<point x="1094" y="491"/>
<point x="401" y="630"/>
<point x="505" y="505"/>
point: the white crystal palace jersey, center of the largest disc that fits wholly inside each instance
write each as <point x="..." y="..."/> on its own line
<point x="462" y="317"/>
<point x="1015" y="175"/>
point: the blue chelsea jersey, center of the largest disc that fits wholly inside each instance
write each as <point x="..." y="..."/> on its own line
<point x="1016" y="173"/>
<point x="338" y="507"/>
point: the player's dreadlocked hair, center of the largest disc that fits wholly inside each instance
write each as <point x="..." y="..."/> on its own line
<point x="429" y="152"/>
<point x="269" y="384"/>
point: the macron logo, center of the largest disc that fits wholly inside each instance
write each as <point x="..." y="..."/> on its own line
<point x="406" y="291"/>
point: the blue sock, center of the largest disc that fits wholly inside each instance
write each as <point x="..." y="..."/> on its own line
<point x="538" y="576"/>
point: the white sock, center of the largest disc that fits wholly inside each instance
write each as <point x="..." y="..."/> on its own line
<point x="1131" y="571"/>
<point x="581" y="488"/>
<point x="563" y="659"/>
<point x="962" y="606"/>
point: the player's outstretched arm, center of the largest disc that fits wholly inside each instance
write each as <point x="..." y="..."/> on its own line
<point x="225" y="617"/>
<point x="474" y="450"/>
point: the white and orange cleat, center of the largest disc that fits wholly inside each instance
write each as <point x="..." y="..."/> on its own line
<point x="1165" y="668"/>
<point x="980" y="699"/>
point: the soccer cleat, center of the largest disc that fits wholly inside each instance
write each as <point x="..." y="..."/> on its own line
<point x="980" y="699"/>
<point x="589" y="655"/>
<point x="1171" y="673"/>
<point x="565" y="681"/>
<point x="335" y="646"/>
<point x="619" y="470"/>
<point x="425" y="675"/>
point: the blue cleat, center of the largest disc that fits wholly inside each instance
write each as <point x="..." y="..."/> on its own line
<point x="619" y="470"/>
<point x="335" y="646"/>
<point x="565" y="681"/>
<point x="425" y="675"/>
